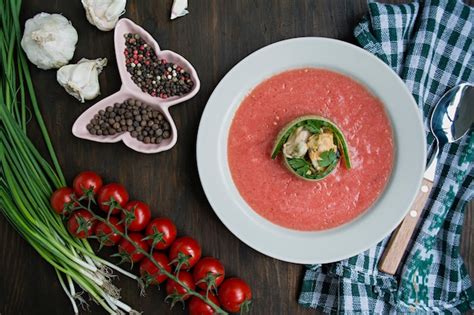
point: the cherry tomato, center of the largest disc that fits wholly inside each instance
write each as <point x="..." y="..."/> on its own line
<point x="235" y="295"/>
<point x="165" y="231"/>
<point x="208" y="272"/>
<point x="85" y="181"/>
<point x="148" y="268"/>
<point x="81" y="224"/>
<point x="173" y="288"/>
<point x="60" y="198"/>
<point x="106" y="235"/>
<point x="141" y="213"/>
<point x="197" y="306"/>
<point x="128" y="248"/>
<point x="185" y="252"/>
<point x="110" y="192"/>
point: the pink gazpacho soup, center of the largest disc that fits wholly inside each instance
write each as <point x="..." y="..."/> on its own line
<point x="278" y="195"/>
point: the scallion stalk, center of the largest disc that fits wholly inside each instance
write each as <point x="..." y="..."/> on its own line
<point x="27" y="180"/>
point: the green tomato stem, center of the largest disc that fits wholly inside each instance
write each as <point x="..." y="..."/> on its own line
<point x="149" y="255"/>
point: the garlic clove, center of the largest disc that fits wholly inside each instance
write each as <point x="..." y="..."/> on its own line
<point x="179" y="9"/>
<point x="104" y="14"/>
<point x="49" y="40"/>
<point x="81" y="80"/>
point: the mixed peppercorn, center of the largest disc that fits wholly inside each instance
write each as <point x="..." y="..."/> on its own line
<point x="141" y="120"/>
<point x="151" y="74"/>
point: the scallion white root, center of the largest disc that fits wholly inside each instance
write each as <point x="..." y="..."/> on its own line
<point x="68" y="293"/>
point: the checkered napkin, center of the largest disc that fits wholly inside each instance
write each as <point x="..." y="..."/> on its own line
<point x="430" y="45"/>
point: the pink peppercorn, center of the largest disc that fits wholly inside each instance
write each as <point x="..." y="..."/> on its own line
<point x="152" y="74"/>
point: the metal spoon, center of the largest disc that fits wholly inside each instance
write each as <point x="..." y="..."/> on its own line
<point x="451" y="119"/>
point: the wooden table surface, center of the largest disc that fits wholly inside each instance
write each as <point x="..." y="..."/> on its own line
<point x="213" y="37"/>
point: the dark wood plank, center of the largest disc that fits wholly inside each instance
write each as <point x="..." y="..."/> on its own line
<point x="214" y="37"/>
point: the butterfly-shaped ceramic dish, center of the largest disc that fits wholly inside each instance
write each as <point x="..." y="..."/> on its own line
<point x="130" y="90"/>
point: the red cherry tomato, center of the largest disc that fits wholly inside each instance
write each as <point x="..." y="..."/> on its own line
<point x="106" y="235"/>
<point x="115" y="192"/>
<point x="128" y="248"/>
<point x="141" y="213"/>
<point x="149" y="269"/>
<point x="197" y="306"/>
<point x="185" y="252"/>
<point x="61" y="198"/>
<point x="235" y="295"/>
<point x="81" y="224"/>
<point x="208" y="272"/>
<point x="85" y="181"/>
<point x="165" y="231"/>
<point x="173" y="288"/>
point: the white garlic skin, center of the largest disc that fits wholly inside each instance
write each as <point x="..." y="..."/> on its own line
<point x="81" y="80"/>
<point x="179" y="9"/>
<point x="49" y="40"/>
<point x="104" y="14"/>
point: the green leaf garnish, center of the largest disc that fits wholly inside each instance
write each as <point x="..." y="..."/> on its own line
<point x="328" y="161"/>
<point x="313" y="126"/>
<point x="283" y="137"/>
<point x="327" y="158"/>
<point x="301" y="166"/>
<point x="297" y="163"/>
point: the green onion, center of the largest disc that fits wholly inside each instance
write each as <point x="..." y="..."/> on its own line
<point x="27" y="180"/>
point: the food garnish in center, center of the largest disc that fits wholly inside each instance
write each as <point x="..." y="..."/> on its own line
<point x="312" y="147"/>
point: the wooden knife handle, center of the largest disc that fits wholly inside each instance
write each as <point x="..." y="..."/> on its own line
<point x="393" y="253"/>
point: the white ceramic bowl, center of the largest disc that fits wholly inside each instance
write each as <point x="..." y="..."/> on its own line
<point x="320" y="246"/>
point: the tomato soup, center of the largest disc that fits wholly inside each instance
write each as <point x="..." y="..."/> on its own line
<point x="276" y="194"/>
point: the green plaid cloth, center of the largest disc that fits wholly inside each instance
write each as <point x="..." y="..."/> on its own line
<point x="429" y="44"/>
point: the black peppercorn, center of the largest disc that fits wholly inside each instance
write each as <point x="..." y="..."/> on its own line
<point x="152" y="75"/>
<point x="141" y="120"/>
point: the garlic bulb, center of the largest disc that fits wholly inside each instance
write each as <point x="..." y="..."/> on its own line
<point x="179" y="9"/>
<point x="104" y="14"/>
<point x="81" y="80"/>
<point x="49" y="40"/>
